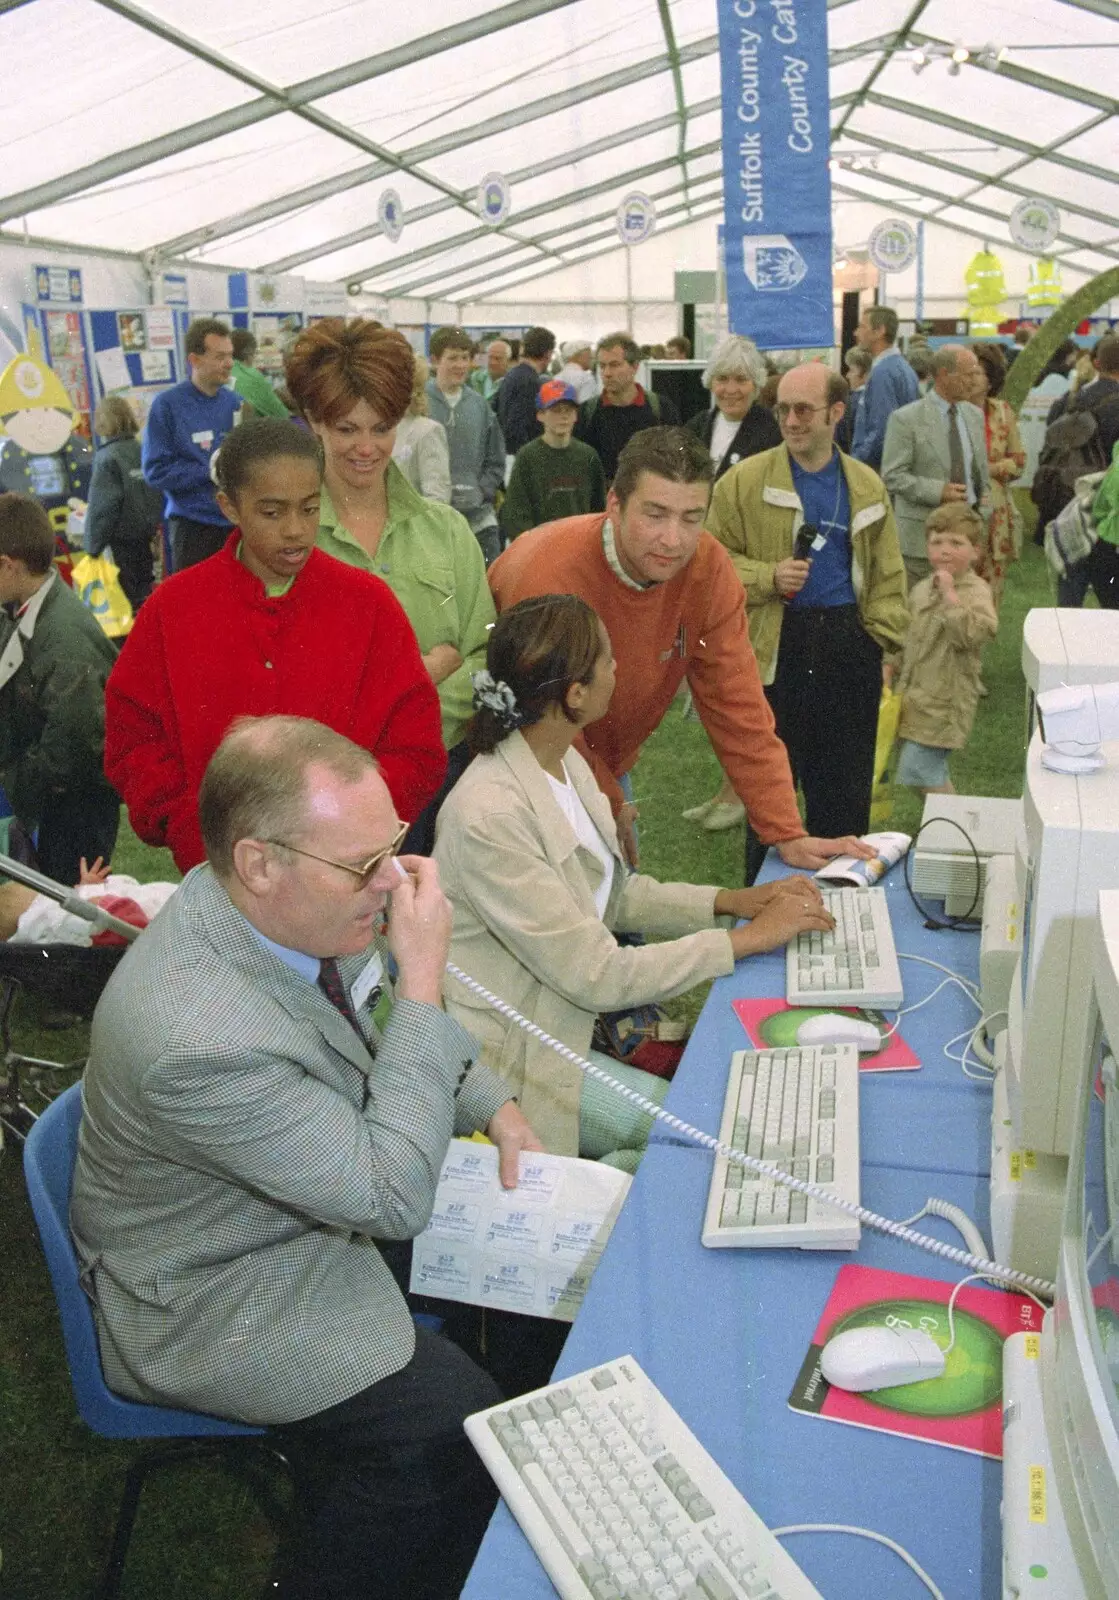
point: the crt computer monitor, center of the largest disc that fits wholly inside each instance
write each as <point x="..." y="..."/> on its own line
<point x="1080" y="1343"/>
<point x="1063" y="646"/>
<point x="1069" y="851"/>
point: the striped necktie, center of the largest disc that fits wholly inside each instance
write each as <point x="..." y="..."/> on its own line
<point x="330" y="982"/>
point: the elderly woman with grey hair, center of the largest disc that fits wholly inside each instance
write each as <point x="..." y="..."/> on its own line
<point x="735" y="427"/>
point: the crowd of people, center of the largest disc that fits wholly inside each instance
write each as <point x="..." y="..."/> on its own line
<point x="384" y="712"/>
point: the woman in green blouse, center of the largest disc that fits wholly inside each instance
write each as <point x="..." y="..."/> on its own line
<point x="353" y="382"/>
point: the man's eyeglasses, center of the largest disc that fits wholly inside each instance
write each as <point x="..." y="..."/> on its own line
<point x="368" y="869"/>
<point x="800" y="409"/>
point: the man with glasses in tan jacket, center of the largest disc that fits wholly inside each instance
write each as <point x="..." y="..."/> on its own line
<point x="812" y="536"/>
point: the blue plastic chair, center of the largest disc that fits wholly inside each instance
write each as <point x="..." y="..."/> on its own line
<point x="48" y="1162"/>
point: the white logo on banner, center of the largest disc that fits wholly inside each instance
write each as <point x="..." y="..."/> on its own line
<point x="892" y="245"/>
<point x="772" y="261"/>
<point x="636" y="218"/>
<point x="1034" y="224"/>
<point x="390" y="214"/>
<point x="494" y="199"/>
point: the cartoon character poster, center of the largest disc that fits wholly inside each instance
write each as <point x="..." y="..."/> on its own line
<point x="39" y="452"/>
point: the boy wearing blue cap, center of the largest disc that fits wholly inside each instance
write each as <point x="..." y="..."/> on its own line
<point x="554" y="476"/>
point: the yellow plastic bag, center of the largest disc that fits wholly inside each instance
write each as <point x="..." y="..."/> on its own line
<point x="881" y="798"/>
<point x="97" y="582"/>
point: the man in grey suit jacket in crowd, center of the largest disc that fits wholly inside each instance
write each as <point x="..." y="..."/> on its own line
<point x="259" y="1109"/>
<point x="936" y="453"/>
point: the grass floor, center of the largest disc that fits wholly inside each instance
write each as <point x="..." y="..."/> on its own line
<point x="199" y="1535"/>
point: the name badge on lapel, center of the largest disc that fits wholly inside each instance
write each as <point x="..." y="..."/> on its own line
<point x="371" y="976"/>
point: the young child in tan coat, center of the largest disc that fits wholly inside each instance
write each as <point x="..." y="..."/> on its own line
<point x="951" y="618"/>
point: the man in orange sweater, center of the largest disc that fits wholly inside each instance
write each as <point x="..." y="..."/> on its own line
<point x="673" y="606"/>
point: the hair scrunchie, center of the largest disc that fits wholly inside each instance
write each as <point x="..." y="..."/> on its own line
<point x="498" y="698"/>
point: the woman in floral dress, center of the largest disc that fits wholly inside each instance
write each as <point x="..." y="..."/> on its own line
<point x="1006" y="458"/>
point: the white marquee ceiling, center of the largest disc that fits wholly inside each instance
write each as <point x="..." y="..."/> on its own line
<point x="260" y="136"/>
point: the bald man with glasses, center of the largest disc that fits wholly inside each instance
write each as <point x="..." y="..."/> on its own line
<point x="265" y="1115"/>
<point x="812" y="536"/>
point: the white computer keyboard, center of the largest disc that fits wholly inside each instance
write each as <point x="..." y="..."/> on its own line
<point x="620" y="1501"/>
<point x="799" y="1110"/>
<point x="856" y="965"/>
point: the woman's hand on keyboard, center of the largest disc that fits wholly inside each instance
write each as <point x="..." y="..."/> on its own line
<point x="748" y="902"/>
<point x="780" y="920"/>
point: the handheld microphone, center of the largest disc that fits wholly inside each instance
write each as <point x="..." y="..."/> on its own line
<point x="807" y="534"/>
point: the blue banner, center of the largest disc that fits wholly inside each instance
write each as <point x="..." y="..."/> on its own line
<point x="774" y="65"/>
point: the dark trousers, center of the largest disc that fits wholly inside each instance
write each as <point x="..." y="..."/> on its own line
<point x="490" y="541"/>
<point x="825" y="702"/>
<point x="80" y="823"/>
<point x="1072" y="589"/>
<point x="137" y="570"/>
<point x="1103" y="574"/>
<point x="192" y="542"/>
<point x="393" y="1499"/>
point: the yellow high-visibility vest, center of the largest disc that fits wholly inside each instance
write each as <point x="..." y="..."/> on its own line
<point x="986" y="291"/>
<point x="1044" y="286"/>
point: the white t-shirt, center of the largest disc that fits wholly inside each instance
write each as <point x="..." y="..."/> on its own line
<point x="587" y="834"/>
<point x="722" y="436"/>
<point x="582" y="381"/>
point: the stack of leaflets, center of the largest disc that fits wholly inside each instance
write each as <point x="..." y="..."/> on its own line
<point x="852" y="872"/>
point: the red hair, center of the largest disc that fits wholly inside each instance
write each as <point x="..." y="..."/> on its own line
<point x="334" y="364"/>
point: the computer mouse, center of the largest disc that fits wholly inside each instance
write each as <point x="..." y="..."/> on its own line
<point x="881" y="1358"/>
<point x="836" y="1029"/>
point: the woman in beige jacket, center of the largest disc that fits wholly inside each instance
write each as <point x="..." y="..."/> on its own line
<point x="528" y="854"/>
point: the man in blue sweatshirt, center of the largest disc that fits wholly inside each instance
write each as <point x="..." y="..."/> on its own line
<point x="891" y="385"/>
<point x="186" y="425"/>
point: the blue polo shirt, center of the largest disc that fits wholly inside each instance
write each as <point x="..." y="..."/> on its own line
<point x="827" y="504"/>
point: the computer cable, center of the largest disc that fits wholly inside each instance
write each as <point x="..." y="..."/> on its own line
<point x="870" y="1219"/>
<point x="977" y="1044"/>
<point x="952" y="1307"/>
<point x="984" y="1060"/>
<point x="862" y="1533"/>
<point x="973" y="1034"/>
<point x="966" y="984"/>
<point x="968" y="923"/>
<point x="905" y="1011"/>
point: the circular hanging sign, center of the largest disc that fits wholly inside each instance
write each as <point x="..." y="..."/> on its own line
<point x="390" y="214"/>
<point x="892" y="245"/>
<point x="1035" y="224"/>
<point x="494" y="199"/>
<point x="636" y="217"/>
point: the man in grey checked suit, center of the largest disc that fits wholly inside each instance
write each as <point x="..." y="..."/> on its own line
<point x="936" y="453"/>
<point x="246" y="1140"/>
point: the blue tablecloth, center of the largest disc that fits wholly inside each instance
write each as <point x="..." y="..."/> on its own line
<point x="724" y="1332"/>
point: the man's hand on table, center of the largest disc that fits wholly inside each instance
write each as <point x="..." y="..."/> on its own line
<point x="811" y="853"/>
<point x="511" y="1133"/>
